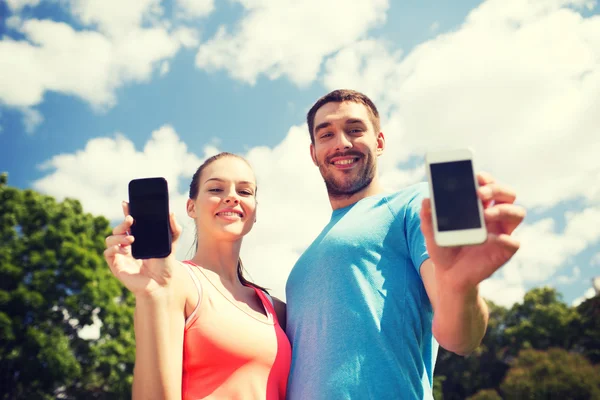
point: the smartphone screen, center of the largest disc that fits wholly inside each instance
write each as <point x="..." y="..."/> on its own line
<point x="455" y="196"/>
<point x="149" y="207"/>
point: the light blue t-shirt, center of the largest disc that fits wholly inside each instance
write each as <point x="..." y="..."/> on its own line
<point x="358" y="316"/>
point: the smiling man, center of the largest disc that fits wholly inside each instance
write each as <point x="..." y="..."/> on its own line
<point x="372" y="296"/>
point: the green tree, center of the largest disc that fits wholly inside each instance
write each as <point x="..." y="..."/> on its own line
<point x="53" y="280"/>
<point x="553" y="374"/>
<point x="586" y="329"/>
<point x="485" y="368"/>
<point x="485" y="394"/>
<point x="438" y="393"/>
<point x="540" y="322"/>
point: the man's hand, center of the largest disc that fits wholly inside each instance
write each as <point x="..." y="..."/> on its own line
<point x="463" y="268"/>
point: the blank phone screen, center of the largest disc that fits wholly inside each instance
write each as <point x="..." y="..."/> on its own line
<point x="455" y="197"/>
<point x="149" y="207"/>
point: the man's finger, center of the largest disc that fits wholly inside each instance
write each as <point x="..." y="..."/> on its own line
<point x="484" y="178"/>
<point x="426" y="220"/>
<point x="508" y="243"/>
<point x="496" y="193"/>
<point x="509" y="216"/>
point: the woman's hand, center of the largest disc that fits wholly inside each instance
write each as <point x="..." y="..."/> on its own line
<point x="142" y="277"/>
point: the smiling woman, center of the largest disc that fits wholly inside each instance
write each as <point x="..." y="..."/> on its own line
<point x="201" y="328"/>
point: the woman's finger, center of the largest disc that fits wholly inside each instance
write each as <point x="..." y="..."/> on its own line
<point x="125" y="207"/>
<point x="175" y="227"/>
<point x="122" y="240"/>
<point x="124" y="227"/>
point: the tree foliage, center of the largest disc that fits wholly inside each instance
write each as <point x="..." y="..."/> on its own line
<point x="53" y="281"/>
<point x="553" y="374"/>
<point x="541" y="328"/>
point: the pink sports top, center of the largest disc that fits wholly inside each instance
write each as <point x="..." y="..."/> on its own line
<point x="230" y="354"/>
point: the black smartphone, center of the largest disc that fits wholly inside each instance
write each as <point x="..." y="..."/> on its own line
<point x="149" y="207"/>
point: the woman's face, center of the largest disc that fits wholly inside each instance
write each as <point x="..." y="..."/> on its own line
<point x="226" y="203"/>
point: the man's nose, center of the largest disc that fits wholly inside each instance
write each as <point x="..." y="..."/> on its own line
<point x="343" y="142"/>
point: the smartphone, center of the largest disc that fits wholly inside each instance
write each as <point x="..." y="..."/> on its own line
<point x="149" y="207"/>
<point x="456" y="209"/>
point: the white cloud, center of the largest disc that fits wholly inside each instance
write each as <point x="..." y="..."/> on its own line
<point x="188" y="37"/>
<point x="518" y="78"/>
<point x="285" y="37"/>
<point x="129" y="44"/>
<point x="516" y="82"/>
<point x="17" y="5"/>
<point x="98" y="175"/>
<point x="287" y="220"/>
<point x="292" y="209"/>
<point x="188" y="9"/>
<point x="567" y="279"/>
<point x="587" y="295"/>
<point x="164" y="68"/>
<point x="31" y="119"/>
<point x="114" y="17"/>
<point x="82" y="63"/>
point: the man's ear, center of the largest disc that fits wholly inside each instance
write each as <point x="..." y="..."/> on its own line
<point x="380" y="144"/>
<point x="313" y="154"/>
<point x="191" y="208"/>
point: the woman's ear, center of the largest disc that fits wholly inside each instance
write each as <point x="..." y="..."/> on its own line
<point x="191" y="208"/>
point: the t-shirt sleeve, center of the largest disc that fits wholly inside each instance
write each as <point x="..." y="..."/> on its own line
<point x="414" y="236"/>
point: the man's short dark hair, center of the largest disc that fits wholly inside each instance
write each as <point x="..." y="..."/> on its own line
<point x="340" y="96"/>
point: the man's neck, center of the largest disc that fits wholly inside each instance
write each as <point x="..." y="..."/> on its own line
<point x="372" y="189"/>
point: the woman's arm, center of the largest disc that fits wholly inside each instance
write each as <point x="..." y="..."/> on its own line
<point x="159" y="323"/>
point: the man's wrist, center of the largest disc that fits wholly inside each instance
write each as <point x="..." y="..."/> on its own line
<point x="450" y="286"/>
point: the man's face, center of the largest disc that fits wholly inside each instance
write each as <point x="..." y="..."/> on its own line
<point x="346" y="147"/>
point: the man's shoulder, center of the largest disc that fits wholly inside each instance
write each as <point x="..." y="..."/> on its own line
<point x="408" y="197"/>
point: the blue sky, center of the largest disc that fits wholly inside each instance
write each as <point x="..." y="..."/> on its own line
<point x="94" y="93"/>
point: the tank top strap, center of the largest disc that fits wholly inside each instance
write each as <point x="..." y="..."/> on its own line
<point x="266" y="304"/>
<point x="194" y="314"/>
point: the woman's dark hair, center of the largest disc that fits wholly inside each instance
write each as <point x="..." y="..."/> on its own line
<point x="195" y="188"/>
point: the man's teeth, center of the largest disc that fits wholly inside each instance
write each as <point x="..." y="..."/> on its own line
<point x="344" y="162"/>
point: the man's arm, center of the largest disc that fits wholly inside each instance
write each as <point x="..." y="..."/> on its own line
<point x="460" y="315"/>
<point x="452" y="274"/>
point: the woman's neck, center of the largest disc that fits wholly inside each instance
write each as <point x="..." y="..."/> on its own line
<point x="219" y="257"/>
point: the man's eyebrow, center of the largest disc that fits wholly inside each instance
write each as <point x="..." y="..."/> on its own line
<point x="322" y="125"/>
<point x="355" y="121"/>
<point x="223" y="180"/>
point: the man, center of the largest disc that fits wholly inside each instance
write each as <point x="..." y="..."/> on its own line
<point x="373" y="295"/>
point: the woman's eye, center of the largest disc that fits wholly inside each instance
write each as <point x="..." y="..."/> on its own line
<point x="246" y="192"/>
<point x="215" y="190"/>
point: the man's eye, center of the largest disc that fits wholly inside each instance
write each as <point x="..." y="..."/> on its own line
<point x="356" y="130"/>
<point x="326" y="135"/>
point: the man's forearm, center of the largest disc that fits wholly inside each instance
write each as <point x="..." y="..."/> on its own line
<point x="460" y="319"/>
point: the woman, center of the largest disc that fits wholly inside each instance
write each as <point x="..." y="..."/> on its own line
<point x="202" y="330"/>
